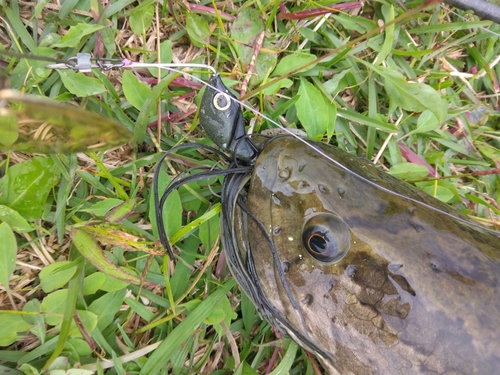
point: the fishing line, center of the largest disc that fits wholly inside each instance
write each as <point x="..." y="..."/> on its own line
<point x="180" y="180"/>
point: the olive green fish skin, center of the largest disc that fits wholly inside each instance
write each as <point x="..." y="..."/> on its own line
<point x="416" y="293"/>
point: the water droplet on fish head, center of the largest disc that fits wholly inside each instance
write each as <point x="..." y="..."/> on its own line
<point x="330" y="285"/>
<point x="275" y="199"/>
<point x="286" y="265"/>
<point x="307" y="300"/>
<point x="394" y="267"/>
<point x="415" y="225"/>
<point x="435" y="265"/>
<point x="284" y="173"/>
<point x="303" y="185"/>
<point x="341" y="191"/>
<point x="323" y="189"/>
<point x="351" y="270"/>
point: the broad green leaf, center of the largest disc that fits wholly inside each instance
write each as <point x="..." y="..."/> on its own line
<point x="275" y="87"/>
<point x="92" y="283"/>
<point x="246" y="31"/>
<point x="82" y="348"/>
<point x="198" y="31"/>
<point x="56" y="275"/>
<point x="53" y="305"/>
<point x="95" y="256"/>
<point x="89" y="320"/>
<point x="15" y="220"/>
<point x="11" y="325"/>
<point x="222" y="312"/>
<point x="101" y="208"/>
<point x="9" y="130"/>
<point x="294" y="61"/>
<point x="413" y="96"/>
<point x="8" y="252"/>
<point x="409" y="171"/>
<point x="26" y="186"/>
<point x="333" y="86"/>
<point x="112" y="285"/>
<point x="75" y="34"/>
<point x="166" y="55"/>
<point x="311" y="35"/>
<point x="39" y="328"/>
<point x="312" y="109"/>
<point x="332" y="117"/>
<point x="140" y="19"/>
<point x="440" y="192"/>
<point x="81" y="85"/>
<point x="245" y="369"/>
<point x="68" y="318"/>
<point x="426" y="122"/>
<point x="135" y="91"/>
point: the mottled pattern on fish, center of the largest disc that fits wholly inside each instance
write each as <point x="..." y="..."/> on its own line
<point x="411" y="290"/>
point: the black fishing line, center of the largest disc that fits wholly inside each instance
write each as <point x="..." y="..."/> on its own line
<point x="245" y="272"/>
<point x="178" y="182"/>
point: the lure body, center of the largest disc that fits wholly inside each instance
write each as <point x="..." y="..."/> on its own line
<point x="380" y="284"/>
<point x="222" y="120"/>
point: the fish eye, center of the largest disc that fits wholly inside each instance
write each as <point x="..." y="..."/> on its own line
<point x="222" y="101"/>
<point x="326" y="237"/>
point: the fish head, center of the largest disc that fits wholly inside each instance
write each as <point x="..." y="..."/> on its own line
<point x="365" y="279"/>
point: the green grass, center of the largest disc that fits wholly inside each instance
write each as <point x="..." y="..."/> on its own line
<point x="84" y="283"/>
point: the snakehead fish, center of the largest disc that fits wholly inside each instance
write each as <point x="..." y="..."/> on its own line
<point x="367" y="272"/>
